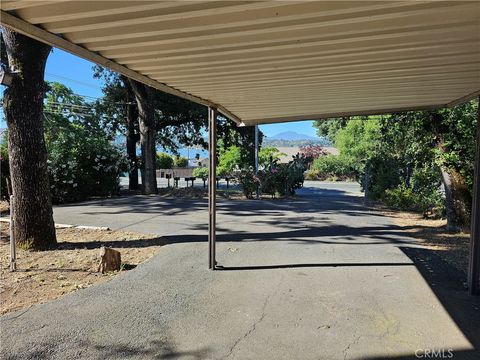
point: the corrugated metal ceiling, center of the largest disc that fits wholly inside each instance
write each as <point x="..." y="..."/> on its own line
<point x="279" y="61"/>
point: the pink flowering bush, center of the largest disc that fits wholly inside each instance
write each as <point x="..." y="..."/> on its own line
<point x="283" y="179"/>
<point x="248" y="181"/>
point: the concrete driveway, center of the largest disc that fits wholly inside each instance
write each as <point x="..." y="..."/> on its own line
<point x="316" y="277"/>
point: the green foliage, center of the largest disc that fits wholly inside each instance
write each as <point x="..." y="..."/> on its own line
<point x="403" y="197"/>
<point x="82" y="161"/>
<point x="180" y="162"/>
<point x="4" y="166"/>
<point x="357" y="141"/>
<point x="248" y="181"/>
<point x="398" y="157"/>
<point x="243" y="138"/>
<point x="283" y="179"/>
<point x="331" y="167"/>
<point x="459" y="130"/>
<point x="329" y="128"/>
<point x="230" y="159"/>
<point x="200" y="172"/>
<point x="267" y="155"/>
<point x="81" y="166"/>
<point x="164" y="161"/>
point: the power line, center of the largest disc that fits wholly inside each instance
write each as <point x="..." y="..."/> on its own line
<point x="75" y="81"/>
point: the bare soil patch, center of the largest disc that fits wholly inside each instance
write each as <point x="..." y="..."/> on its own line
<point x="4" y="207"/>
<point x="45" y="275"/>
<point x="451" y="247"/>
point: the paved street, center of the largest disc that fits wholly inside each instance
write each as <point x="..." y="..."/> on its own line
<point x="315" y="277"/>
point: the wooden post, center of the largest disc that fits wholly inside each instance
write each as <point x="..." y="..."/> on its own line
<point x="212" y="189"/>
<point x="474" y="263"/>
<point x="13" y="250"/>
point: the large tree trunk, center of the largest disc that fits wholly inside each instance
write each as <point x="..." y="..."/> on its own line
<point x="23" y="105"/>
<point x="132" y="139"/>
<point x="457" y="195"/>
<point x="146" y="122"/>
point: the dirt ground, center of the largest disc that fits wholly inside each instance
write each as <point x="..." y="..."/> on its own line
<point x="451" y="247"/>
<point x="4" y="207"/>
<point x="45" y="275"/>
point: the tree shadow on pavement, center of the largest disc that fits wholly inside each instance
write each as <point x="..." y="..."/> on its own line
<point x="331" y="234"/>
<point x="446" y="282"/>
<point x="156" y="349"/>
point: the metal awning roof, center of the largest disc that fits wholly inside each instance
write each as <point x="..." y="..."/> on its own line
<point x="264" y="62"/>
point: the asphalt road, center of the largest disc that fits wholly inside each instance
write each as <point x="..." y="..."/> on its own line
<point x="316" y="277"/>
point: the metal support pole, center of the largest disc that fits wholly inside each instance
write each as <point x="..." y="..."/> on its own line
<point x="474" y="263"/>
<point x="256" y="157"/>
<point x="13" y="250"/>
<point x="212" y="189"/>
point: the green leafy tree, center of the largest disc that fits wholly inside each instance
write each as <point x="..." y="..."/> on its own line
<point x="328" y="128"/>
<point x="230" y="159"/>
<point x="267" y="155"/>
<point x="164" y="161"/>
<point x="180" y="162"/>
<point x="200" y="172"/>
<point x="34" y="226"/>
<point x="357" y="141"/>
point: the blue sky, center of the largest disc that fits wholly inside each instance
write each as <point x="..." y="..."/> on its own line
<point x="77" y="74"/>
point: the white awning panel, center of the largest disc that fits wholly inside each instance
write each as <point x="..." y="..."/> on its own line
<point x="263" y="62"/>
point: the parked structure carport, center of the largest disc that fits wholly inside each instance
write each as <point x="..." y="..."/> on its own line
<point x="265" y="62"/>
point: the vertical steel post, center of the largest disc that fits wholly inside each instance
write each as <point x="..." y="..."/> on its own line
<point x="474" y="263"/>
<point x="256" y="157"/>
<point x="13" y="250"/>
<point x="212" y="189"/>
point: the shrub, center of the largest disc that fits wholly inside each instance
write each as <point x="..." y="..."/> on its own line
<point x="4" y="167"/>
<point x="164" y="161"/>
<point x="331" y="166"/>
<point x="181" y="161"/>
<point x="283" y="179"/>
<point x="248" y="182"/>
<point x="200" y="172"/>
<point x="407" y="198"/>
<point x="81" y="165"/>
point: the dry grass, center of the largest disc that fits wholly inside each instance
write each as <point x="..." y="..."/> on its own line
<point x="46" y="275"/>
<point x="451" y="247"/>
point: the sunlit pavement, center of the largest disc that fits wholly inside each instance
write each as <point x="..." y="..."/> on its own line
<point x="315" y="277"/>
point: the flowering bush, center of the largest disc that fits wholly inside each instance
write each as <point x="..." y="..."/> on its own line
<point x="283" y="179"/>
<point x="82" y="164"/>
<point x="249" y="182"/>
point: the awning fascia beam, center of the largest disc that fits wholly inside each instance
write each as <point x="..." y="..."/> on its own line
<point x="27" y="29"/>
<point x="452" y="103"/>
<point x="342" y="114"/>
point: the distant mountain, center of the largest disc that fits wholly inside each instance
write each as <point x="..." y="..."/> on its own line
<point x="292" y="135"/>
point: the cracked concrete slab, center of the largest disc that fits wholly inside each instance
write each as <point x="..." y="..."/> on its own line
<point x="316" y="277"/>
